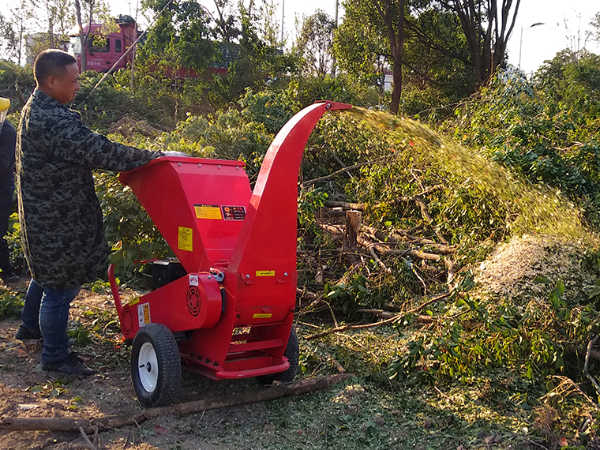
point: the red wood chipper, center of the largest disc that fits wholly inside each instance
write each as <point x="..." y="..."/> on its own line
<point x="225" y="306"/>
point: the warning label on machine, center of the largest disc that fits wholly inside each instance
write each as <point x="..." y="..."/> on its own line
<point x="208" y="212"/>
<point x="262" y="316"/>
<point x="185" y="239"/>
<point x="233" y="212"/>
<point x="265" y="273"/>
<point x="143" y="314"/>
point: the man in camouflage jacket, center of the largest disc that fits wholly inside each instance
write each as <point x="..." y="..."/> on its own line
<point x="59" y="213"/>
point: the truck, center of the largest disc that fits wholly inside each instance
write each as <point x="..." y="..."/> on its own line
<point x="101" y="58"/>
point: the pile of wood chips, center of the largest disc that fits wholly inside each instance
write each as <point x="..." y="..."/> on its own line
<point x="529" y="267"/>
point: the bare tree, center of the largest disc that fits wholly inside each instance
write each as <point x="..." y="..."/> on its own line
<point x="17" y="28"/>
<point x="57" y="18"/>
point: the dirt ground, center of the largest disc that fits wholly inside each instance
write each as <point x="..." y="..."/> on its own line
<point x="473" y="415"/>
<point x="27" y="391"/>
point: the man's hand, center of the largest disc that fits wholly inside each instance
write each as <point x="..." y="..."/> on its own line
<point x="175" y="154"/>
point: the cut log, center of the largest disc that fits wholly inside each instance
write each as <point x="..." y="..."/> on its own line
<point x="346" y="205"/>
<point x="136" y="417"/>
<point x="353" y="223"/>
<point x="326" y="213"/>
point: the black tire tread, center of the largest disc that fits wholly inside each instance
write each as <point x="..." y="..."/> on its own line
<point x="292" y="353"/>
<point x="167" y="354"/>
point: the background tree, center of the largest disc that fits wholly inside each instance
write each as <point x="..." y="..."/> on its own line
<point x="92" y="10"/>
<point x="181" y="37"/>
<point x="595" y="23"/>
<point x="57" y="18"/>
<point x="437" y="63"/>
<point x="314" y="43"/>
<point x="385" y="19"/>
<point x="268" y="25"/>
<point x="257" y="63"/>
<point x="487" y="26"/>
<point x="226" y="21"/>
<point x="17" y="27"/>
<point x="359" y="45"/>
<point x="8" y="39"/>
<point x="391" y="12"/>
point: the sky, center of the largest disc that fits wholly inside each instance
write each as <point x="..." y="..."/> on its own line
<point x="564" y="22"/>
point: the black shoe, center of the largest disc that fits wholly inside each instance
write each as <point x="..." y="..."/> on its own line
<point x="24" y="334"/>
<point x="73" y="365"/>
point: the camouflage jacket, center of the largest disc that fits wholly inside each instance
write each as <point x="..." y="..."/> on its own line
<point x="59" y="213"/>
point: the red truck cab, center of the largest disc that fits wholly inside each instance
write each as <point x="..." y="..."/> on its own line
<point x="101" y="58"/>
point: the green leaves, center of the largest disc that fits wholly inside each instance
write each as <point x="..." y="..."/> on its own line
<point x="10" y="304"/>
<point x="555" y="297"/>
<point x="349" y="297"/>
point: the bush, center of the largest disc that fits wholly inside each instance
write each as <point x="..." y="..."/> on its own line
<point x="546" y="132"/>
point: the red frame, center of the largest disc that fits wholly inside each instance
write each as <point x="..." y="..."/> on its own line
<point x="246" y="335"/>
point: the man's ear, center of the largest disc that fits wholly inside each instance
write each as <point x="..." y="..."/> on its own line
<point x="50" y="82"/>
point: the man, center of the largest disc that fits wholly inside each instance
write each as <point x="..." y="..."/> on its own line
<point x="8" y="139"/>
<point x="59" y="213"/>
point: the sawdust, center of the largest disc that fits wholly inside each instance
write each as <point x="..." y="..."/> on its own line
<point x="529" y="266"/>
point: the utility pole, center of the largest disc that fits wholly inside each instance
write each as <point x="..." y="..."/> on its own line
<point x="333" y="61"/>
<point x="521" y="41"/>
<point x="132" y="84"/>
<point x="282" y="20"/>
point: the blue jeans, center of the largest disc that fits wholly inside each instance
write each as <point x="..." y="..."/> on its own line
<point x="7" y="188"/>
<point x="47" y="310"/>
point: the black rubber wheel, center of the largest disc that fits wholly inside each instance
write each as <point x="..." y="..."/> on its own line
<point x="292" y="353"/>
<point x="155" y="365"/>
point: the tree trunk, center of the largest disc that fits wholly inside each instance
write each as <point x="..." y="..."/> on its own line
<point x="353" y="223"/>
<point x="395" y="32"/>
<point x="82" y="39"/>
<point x="136" y="417"/>
<point x="487" y="29"/>
<point x="397" y="87"/>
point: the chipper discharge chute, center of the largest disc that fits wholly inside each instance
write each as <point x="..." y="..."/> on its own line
<point x="225" y="306"/>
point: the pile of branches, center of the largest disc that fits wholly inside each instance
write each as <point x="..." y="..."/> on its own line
<point x="428" y="254"/>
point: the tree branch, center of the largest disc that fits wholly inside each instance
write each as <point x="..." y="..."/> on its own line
<point x="393" y="319"/>
<point x="136" y="417"/>
<point x="345" y="169"/>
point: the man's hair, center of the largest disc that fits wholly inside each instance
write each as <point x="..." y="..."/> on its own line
<point x="51" y="62"/>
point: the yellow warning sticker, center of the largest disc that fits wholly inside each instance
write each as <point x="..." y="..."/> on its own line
<point x="208" y="212"/>
<point x="143" y="314"/>
<point x="185" y="239"/>
<point x="262" y="316"/>
<point x="265" y="273"/>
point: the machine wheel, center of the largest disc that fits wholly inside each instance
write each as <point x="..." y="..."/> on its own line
<point x="155" y="365"/>
<point x="292" y="353"/>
